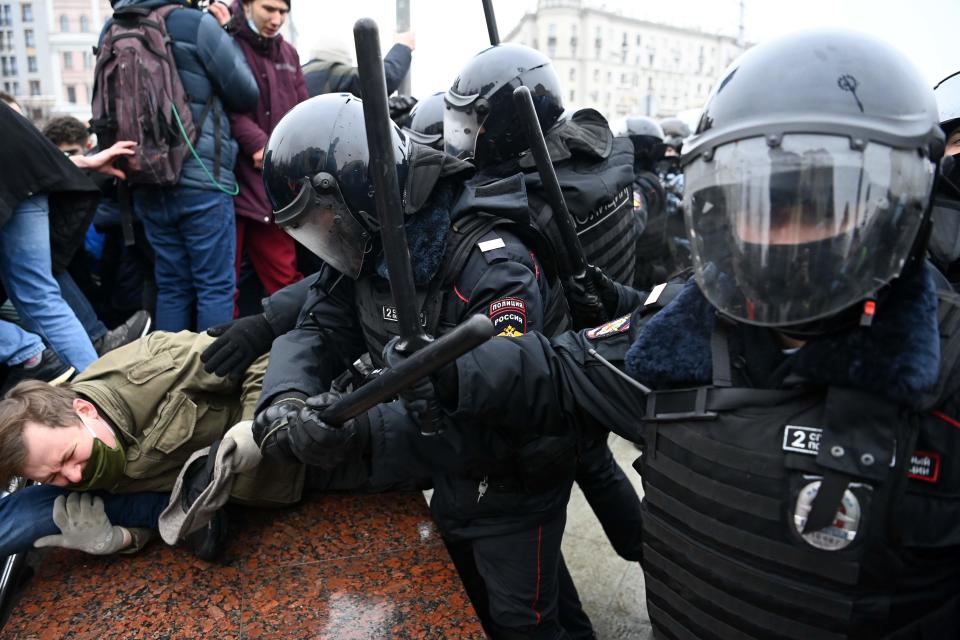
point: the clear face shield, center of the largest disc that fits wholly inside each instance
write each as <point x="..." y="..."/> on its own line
<point x="800" y="231"/>
<point x="463" y="119"/>
<point x="319" y="219"/>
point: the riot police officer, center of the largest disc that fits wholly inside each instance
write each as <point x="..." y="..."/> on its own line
<point x="799" y="396"/>
<point x="945" y="236"/>
<point x="654" y="258"/>
<point x="594" y="168"/>
<point x="473" y="251"/>
<point x="595" y="171"/>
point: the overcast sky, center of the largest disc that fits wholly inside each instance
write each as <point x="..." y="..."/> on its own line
<point x="449" y="32"/>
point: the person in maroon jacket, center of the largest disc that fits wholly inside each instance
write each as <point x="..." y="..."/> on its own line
<point x="255" y="24"/>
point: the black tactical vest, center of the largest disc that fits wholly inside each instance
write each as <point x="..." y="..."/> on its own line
<point x="735" y="477"/>
<point x="599" y="195"/>
<point x="377" y="312"/>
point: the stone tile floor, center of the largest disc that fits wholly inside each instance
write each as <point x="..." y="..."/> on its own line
<point x="611" y="588"/>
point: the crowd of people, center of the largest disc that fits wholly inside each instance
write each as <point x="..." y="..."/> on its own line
<point x="767" y="311"/>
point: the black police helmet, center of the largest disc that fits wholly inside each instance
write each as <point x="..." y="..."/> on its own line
<point x="808" y="181"/>
<point x="481" y="121"/>
<point x="316" y="173"/>
<point x="647" y="138"/>
<point x="426" y="121"/>
<point x="675" y="131"/>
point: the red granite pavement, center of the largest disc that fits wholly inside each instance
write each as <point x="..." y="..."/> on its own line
<point x="339" y="566"/>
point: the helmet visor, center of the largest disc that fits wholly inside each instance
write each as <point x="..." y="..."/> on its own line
<point x="320" y="220"/>
<point x="462" y="120"/>
<point x="798" y="232"/>
<point x="948" y="99"/>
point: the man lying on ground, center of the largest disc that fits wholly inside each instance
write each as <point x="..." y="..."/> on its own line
<point x="122" y="430"/>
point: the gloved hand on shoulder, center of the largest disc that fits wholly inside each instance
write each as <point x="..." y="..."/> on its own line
<point x="237" y="345"/>
<point x="84" y="526"/>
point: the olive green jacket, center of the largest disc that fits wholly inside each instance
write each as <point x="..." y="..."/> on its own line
<point x="164" y="407"/>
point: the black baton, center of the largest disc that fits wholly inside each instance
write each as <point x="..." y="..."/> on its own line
<point x="386" y="186"/>
<point x="491" y="19"/>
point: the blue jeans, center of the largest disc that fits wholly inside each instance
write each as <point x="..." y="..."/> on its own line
<point x="193" y="233"/>
<point x="81" y="306"/>
<point x="16" y="345"/>
<point x="27" y="275"/>
<point x="27" y="515"/>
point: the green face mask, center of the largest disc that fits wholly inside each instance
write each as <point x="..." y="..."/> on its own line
<point x="105" y="466"/>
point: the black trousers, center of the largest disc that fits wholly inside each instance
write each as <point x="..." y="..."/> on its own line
<point x="515" y="582"/>
<point x="612" y="498"/>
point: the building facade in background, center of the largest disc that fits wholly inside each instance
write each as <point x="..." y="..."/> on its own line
<point x="625" y="66"/>
<point x="46" y="54"/>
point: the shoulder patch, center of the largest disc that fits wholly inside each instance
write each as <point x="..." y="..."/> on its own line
<point x="509" y="317"/>
<point x="620" y="325"/>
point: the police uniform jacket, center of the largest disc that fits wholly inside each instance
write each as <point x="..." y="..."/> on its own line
<point x="808" y="493"/>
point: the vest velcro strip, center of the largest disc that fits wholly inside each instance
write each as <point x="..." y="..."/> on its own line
<point x="825" y="565"/>
<point x="748" y="502"/>
<point x="677" y="603"/>
<point x="770" y="622"/>
<point x="665" y="620"/>
<point x="759" y="464"/>
<point x="823" y="603"/>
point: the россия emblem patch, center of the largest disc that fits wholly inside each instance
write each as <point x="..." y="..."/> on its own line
<point x="509" y="317"/>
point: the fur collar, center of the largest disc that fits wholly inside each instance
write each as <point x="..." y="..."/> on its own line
<point x="898" y="356"/>
<point x="427" y="232"/>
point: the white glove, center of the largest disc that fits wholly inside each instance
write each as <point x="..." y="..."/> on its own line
<point x="246" y="456"/>
<point x="84" y="526"/>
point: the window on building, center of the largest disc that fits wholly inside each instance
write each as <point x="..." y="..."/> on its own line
<point x="572" y="95"/>
<point x="64" y="24"/>
<point x="71" y="94"/>
<point x="32" y="64"/>
<point x="36" y="113"/>
<point x="623" y="78"/>
<point x="638" y="39"/>
<point x="84" y="24"/>
<point x="68" y="59"/>
<point x="34" y="87"/>
<point x="573" y="74"/>
<point x="87" y="60"/>
<point x="26" y="12"/>
<point x="552" y="29"/>
<point x="6" y="15"/>
<point x="596" y="75"/>
<point x="5" y="66"/>
<point x="28" y="38"/>
<point x="574" y="41"/>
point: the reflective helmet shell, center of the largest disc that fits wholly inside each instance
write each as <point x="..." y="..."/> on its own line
<point x="480" y="121"/>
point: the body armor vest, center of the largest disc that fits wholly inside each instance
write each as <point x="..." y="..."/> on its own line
<point x="734" y="477"/>
<point x="604" y="221"/>
<point x="377" y="312"/>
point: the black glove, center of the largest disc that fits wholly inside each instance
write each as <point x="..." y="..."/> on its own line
<point x="316" y="443"/>
<point x="585" y="305"/>
<point x="270" y="430"/>
<point x="420" y="399"/>
<point x="606" y="290"/>
<point x="237" y="345"/>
